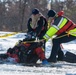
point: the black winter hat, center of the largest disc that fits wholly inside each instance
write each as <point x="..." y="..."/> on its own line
<point x="51" y="13"/>
<point x="35" y="11"/>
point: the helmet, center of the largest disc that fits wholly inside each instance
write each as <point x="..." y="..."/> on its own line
<point x="35" y="11"/>
<point x="60" y="13"/>
<point x="51" y="13"/>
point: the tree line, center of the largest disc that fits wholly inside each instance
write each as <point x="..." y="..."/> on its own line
<point x="14" y="14"/>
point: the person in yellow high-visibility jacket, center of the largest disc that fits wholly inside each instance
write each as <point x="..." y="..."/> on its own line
<point x="65" y="31"/>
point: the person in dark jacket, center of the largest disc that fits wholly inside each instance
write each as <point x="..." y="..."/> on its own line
<point x="62" y="30"/>
<point x="37" y="24"/>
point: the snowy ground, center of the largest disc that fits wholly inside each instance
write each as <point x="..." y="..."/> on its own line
<point x="62" y="68"/>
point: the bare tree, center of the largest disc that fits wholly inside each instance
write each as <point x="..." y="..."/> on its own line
<point x="14" y="14"/>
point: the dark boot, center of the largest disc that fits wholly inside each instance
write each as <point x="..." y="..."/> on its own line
<point x="60" y="55"/>
<point x="70" y="57"/>
<point x="53" y="61"/>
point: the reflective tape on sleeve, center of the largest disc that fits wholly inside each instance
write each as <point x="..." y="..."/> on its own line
<point x="63" y="23"/>
<point x="46" y="36"/>
<point x="50" y="32"/>
<point x="56" y="27"/>
<point x="60" y="22"/>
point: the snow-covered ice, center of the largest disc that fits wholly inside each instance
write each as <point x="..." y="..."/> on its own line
<point x="63" y="68"/>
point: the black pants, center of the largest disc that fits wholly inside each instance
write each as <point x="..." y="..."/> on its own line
<point x="56" y="49"/>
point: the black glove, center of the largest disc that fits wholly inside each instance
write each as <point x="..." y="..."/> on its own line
<point x="31" y="36"/>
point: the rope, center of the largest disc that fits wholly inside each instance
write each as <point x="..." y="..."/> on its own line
<point x="24" y="42"/>
<point x="61" y="36"/>
<point x="6" y="35"/>
<point x="33" y="41"/>
<point x="10" y="34"/>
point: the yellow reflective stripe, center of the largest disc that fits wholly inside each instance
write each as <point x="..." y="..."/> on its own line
<point x="49" y="24"/>
<point x="56" y="27"/>
<point x="63" y="23"/>
<point x="50" y="32"/>
<point x="43" y="49"/>
<point x="60" y="22"/>
<point x="72" y="32"/>
<point x="46" y="36"/>
<point x="31" y="24"/>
